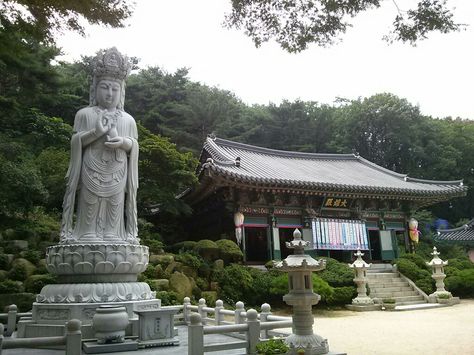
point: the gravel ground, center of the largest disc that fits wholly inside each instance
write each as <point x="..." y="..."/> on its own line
<point x="440" y="331"/>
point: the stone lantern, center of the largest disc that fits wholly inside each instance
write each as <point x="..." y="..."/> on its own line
<point x="362" y="301"/>
<point x="438" y="275"/>
<point x="301" y="296"/>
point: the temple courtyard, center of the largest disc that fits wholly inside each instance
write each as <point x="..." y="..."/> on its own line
<point x="440" y="331"/>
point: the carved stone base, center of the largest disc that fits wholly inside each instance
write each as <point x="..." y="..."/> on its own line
<point x="311" y="344"/>
<point x="49" y="318"/>
<point x="95" y="292"/>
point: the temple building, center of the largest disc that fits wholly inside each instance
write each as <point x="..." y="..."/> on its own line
<point x="340" y="202"/>
<point x="463" y="235"/>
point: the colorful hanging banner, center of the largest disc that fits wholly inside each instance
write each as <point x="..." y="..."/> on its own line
<point x="338" y="234"/>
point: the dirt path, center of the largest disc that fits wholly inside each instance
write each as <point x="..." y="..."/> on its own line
<point x="441" y="331"/>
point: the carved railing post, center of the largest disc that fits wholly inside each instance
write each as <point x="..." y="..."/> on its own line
<point x="186" y="310"/>
<point x="253" y="332"/>
<point x="263" y="318"/>
<point x="11" y="321"/>
<point x="201" y="311"/>
<point x="217" y="313"/>
<point x="195" y="335"/>
<point x="73" y="337"/>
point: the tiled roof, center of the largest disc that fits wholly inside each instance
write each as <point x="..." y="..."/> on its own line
<point x="309" y="171"/>
<point x="463" y="234"/>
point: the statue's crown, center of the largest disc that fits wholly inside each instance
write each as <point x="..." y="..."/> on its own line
<point x="110" y="63"/>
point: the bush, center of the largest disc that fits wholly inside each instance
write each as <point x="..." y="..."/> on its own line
<point x="23" y="300"/>
<point x="461" y="283"/>
<point x="4" y="262"/>
<point x="411" y="270"/>
<point x="33" y="256"/>
<point x="235" y="283"/>
<point x="189" y="259"/>
<point x="168" y="298"/>
<point x="416" y="259"/>
<point x="155" y="246"/>
<point x="426" y="284"/>
<point x="210" y="297"/>
<point x="261" y="283"/>
<point x="272" y="346"/>
<point x="35" y="283"/>
<point x="18" y="272"/>
<point x="337" y="274"/>
<point x="10" y="286"/>
<point x="187" y="245"/>
<point x="279" y="287"/>
<point x="207" y="249"/>
<point x="342" y="295"/>
<point x="149" y="273"/>
<point x="229" y="251"/>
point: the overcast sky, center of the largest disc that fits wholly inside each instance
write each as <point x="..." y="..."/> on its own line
<point x="437" y="74"/>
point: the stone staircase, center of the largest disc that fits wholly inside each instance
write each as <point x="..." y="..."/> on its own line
<point x="385" y="282"/>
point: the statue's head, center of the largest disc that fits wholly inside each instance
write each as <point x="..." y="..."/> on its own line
<point x="109" y="69"/>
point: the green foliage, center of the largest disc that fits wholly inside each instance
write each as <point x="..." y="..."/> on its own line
<point x="461" y="283"/>
<point x="235" y="283"/>
<point x="23" y="300"/>
<point x="337" y="274"/>
<point x="229" y="251"/>
<point x="10" y="286"/>
<point x="187" y="245"/>
<point x="342" y="295"/>
<point x="416" y="259"/>
<point x="189" y="259"/>
<point x="421" y="277"/>
<point x="279" y="287"/>
<point x="272" y="346"/>
<point x="208" y="249"/>
<point x="35" y="283"/>
<point x="296" y="24"/>
<point x="4" y="262"/>
<point x="168" y="298"/>
<point x="32" y="256"/>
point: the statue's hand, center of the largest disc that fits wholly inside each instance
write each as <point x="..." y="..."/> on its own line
<point x="101" y="127"/>
<point x="119" y="142"/>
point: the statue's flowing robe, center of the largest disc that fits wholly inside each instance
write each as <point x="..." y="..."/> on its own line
<point x="104" y="181"/>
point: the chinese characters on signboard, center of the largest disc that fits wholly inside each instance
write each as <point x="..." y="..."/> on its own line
<point x="336" y="202"/>
<point x="338" y="234"/>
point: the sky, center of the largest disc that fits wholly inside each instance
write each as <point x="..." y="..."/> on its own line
<point x="437" y="75"/>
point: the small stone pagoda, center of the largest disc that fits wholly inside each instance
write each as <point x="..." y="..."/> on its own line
<point x="301" y="296"/>
<point x="99" y="256"/>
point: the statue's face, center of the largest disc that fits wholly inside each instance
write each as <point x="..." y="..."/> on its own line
<point x="108" y="93"/>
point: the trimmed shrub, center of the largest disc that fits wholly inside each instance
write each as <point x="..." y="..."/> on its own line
<point x="417" y="259"/>
<point x="235" y="282"/>
<point x="168" y="298"/>
<point x="279" y="287"/>
<point x="34" y="283"/>
<point x="21" y="269"/>
<point x="207" y="249"/>
<point x="337" y="274"/>
<point x="181" y="284"/>
<point x="23" y="300"/>
<point x="461" y="283"/>
<point x="155" y="246"/>
<point x="342" y="295"/>
<point x="10" y="286"/>
<point x="210" y="297"/>
<point x="187" y="245"/>
<point x="189" y="259"/>
<point x="4" y="262"/>
<point x="33" y="256"/>
<point x="229" y="251"/>
<point x="421" y="277"/>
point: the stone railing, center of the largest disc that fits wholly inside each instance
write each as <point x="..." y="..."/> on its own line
<point x="72" y="340"/>
<point x="249" y="325"/>
<point x="11" y="318"/>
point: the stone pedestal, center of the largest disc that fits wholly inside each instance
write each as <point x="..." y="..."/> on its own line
<point x="156" y="326"/>
<point x="89" y="275"/>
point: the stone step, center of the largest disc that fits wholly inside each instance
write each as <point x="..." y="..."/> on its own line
<point x="393" y="294"/>
<point x="411" y="307"/>
<point x="410" y="303"/>
<point x="382" y="275"/>
<point x="390" y="288"/>
<point x="375" y="285"/>
<point x="403" y="299"/>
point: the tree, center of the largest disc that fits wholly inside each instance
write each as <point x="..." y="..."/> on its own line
<point x="42" y="19"/>
<point x="296" y="23"/>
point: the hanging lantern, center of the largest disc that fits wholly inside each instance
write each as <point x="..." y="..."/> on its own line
<point x="239" y="223"/>
<point x="414" y="232"/>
